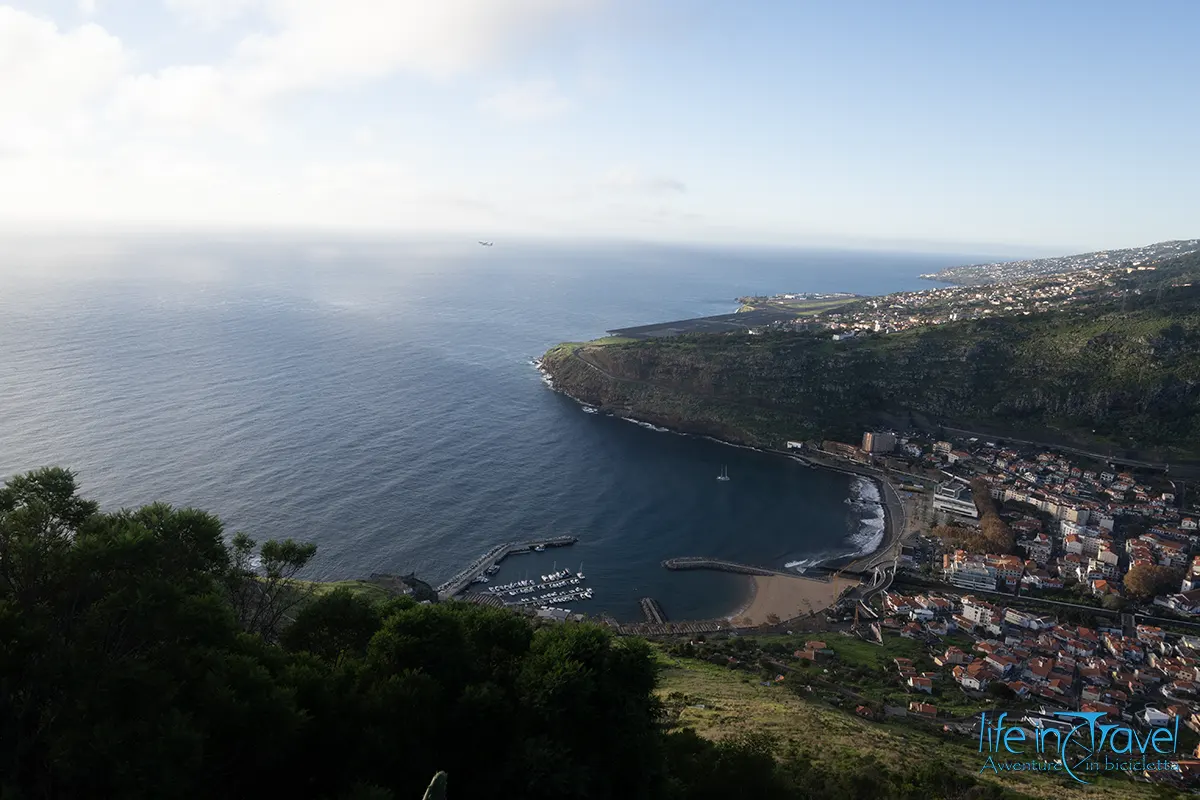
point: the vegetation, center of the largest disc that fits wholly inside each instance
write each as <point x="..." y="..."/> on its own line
<point x="993" y="535"/>
<point x="141" y="656"/>
<point x="1117" y="375"/>
<point x="1145" y="581"/>
<point x="724" y="703"/>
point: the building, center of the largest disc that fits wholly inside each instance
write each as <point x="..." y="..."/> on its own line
<point x="878" y="442"/>
<point x="968" y="573"/>
<point x="840" y="449"/>
<point x="955" y="498"/>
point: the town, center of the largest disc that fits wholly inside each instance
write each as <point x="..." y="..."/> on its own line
<point x="847" y="316"/>
<point x="1028" y="582"/>
<point x="1006" y="271"/>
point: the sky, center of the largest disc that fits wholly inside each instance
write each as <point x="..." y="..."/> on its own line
<point x="1060" y="127"/>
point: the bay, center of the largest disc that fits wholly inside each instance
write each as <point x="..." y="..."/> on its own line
<point x="377" y="397"/>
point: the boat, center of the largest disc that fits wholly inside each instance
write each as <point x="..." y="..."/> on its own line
<point x="539" y="548"/>
<point x="724" y="476"/>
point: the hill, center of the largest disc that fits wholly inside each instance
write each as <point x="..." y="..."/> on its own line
<point x="140" y="657"/>
<point x="1119" y="374"/>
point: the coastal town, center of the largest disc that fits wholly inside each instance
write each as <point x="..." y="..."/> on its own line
<point x="1007" y="271"/>
<point x="847" y="317"/>
<point x="1028" y="581"/>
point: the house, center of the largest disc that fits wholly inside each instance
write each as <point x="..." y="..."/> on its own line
<point x="973" y="676"/>
<point x="919" y="684"/>
<point x="952" y="656"/>
<point x="1001" y="663"/>
<point x="1183" y="603"/>
<point x="1020" y="688"/>
<point x="895" y="603"/>
<point x="1152" y="717"/>
<point x="922" y="709"/>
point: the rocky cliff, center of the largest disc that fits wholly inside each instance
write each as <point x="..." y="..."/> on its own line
<point x="1121" y="377"/>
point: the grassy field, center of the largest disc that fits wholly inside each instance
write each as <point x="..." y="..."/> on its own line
<point x="362" y="589"/>
<point x="718" y="702"/>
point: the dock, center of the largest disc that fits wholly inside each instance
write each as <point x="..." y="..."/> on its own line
<point x="463" y="579"/>
<point x="652" y="611"/>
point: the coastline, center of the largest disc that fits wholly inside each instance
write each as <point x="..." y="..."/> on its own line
<point x="781" y="598"/>
<point x="890" y="532"/>
<point x="749" y="601"/>
<point x="778" y="595"/>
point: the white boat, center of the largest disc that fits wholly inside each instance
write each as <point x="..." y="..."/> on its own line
<point x="724" y="476"/>
<point x="539" y="548"/>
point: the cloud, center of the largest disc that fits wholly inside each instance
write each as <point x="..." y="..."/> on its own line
<point x="183" y="99"/>
<point x="322" y="44"/>
<point x="631" y="179"/>
<point x="211" y="13"/>
<point x="87" y="7"/>
<point x="363" y="136"/>
<point x="533" y="100"/>
<point x="52" y="81"/>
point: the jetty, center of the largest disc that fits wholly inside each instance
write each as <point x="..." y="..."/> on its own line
<point x="466" y="576"/>
<point x="652" y="611"/>
<point x="721" y="565"/>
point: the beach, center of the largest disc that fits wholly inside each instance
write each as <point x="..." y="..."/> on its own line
<point x="777" y="598"/>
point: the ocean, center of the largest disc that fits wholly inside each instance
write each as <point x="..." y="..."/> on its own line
<point x="379" y="399"/>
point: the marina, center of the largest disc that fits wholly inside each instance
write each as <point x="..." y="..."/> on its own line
<point x="488" y="563"/>
<point x="559" y="586"/>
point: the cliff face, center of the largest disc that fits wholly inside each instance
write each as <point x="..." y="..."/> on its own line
<point x="1119" y="380"/>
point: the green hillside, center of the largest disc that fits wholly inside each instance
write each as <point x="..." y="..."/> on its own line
<point x="1121" y="374"/>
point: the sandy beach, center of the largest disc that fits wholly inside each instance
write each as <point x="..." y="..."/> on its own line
<point x="776" y="598"/>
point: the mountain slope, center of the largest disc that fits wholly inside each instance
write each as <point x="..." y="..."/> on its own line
<point x="1122" y="375"/>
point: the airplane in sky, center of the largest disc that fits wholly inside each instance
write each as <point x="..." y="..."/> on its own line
<point x="486" y="244"/>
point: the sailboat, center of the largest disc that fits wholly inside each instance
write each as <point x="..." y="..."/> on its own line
<point x="724" y="476"/>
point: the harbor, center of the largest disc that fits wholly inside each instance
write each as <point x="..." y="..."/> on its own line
<point x="488" y="563"/>
<point x="559" y="586"/>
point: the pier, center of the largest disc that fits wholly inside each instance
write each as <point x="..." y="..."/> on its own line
<point x="721" y="565"/>
<point x="463" y="579"/>
<point x="653" y="611"/>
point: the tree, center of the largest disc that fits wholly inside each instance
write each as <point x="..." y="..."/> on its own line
<point x="1112" y="602"/>
<point x="999" y="690"/>
<point x="334" y="625"/>
<point x="263" y="598"/>
<point x="138" y="658"/>
<point x="1144" y="581"/>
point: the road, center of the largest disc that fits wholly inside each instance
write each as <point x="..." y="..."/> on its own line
<point x="1108" y="459"/>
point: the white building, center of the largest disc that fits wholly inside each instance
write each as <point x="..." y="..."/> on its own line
<point x="955" y="498"/>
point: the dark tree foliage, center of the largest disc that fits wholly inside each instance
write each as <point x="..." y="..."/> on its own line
<point x="142" y="657"/>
